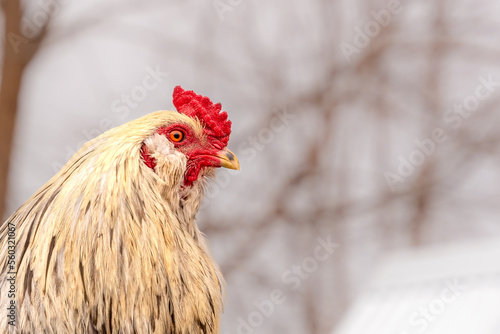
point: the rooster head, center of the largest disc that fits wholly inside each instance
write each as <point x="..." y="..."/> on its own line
<point x="199" y="135"/>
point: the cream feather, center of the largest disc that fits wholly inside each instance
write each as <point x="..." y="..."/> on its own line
<point x="110" y="246"/>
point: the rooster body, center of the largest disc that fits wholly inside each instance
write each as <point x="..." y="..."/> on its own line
<point x="110" y="244"/>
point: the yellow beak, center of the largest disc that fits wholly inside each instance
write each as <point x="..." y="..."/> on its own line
<point x="228" y="159"/>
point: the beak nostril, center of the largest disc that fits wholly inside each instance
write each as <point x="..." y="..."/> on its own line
<point x="228" y="160"/>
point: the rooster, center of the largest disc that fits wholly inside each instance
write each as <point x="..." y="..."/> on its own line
<point x="110" y="243"/>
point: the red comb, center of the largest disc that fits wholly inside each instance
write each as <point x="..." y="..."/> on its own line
<point x="217" y="126"/>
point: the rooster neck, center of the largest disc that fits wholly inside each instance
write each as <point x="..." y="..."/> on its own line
<point x="190" y="199"/>
<point x="185" y="208"/>
<point x="170" y="167"/>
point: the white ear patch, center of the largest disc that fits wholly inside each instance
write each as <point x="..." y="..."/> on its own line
<point x="170" y="163"/>
<point x="159" y="143"/>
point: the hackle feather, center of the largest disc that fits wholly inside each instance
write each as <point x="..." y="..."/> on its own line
<point x="109" y="245"/>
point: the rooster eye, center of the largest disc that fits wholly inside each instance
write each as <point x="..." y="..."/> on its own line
<point x="176" y="136"/>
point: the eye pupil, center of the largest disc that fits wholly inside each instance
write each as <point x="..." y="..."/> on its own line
<point x="176" y="136"/>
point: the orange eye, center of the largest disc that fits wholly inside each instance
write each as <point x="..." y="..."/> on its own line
<point x="176" y="136"/>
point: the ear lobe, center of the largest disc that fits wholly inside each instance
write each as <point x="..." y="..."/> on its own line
<point x="159" y="154"/>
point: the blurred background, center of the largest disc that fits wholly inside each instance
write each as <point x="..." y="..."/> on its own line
<point x="364" y="129"/>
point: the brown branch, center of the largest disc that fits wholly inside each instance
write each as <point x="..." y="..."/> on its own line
<point x="18" y="52"/>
